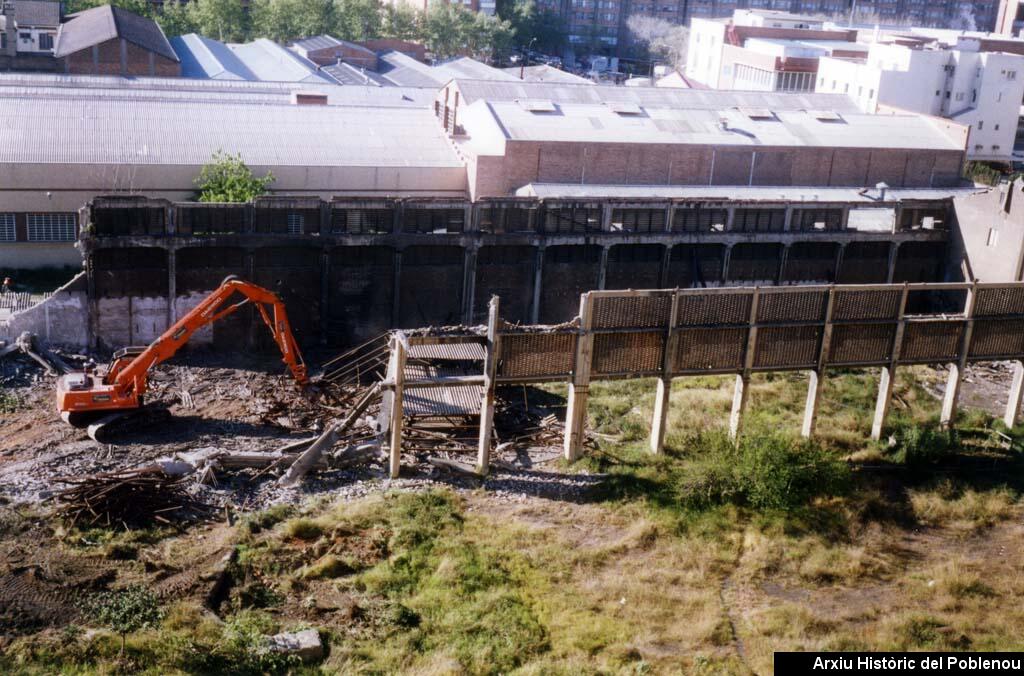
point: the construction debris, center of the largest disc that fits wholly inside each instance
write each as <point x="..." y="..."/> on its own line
<point x="130" y="498"/>
<point x="305" y="645"/>
<point x="28" y="344"/>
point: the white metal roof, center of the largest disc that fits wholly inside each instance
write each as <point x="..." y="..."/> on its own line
<point x="599" y="123"/>
<point x="89" y="87"/>
<point x="270" y="61"/>
<point x="133" y="132"/>
<point x="741" y="193"/>
<point x="651" y="97"/>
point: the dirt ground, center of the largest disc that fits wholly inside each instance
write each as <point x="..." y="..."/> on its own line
<point x="674" y="600"/>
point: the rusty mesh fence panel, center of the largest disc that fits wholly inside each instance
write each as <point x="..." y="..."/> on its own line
<point x="936" y="341"/>
<point x="535" y="355"/>
<point x="997" y="338"/>
<point x="791" y="306"/>
<point x="861" y="344"/>
<point x="787" y="347"/>
<point x="866" y="304"/>
<point x="991" y="302"/>
<point x="715" y="309"/>
<point x="628" y="353"/>
<point x="631" y="311"/>
<point x="710" y="350"/>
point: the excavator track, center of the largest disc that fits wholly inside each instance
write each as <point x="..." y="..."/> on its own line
<point x="108" y="428"/>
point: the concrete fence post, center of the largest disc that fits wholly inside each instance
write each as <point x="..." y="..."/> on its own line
<point x="483" y="461"/>
<point x="659" y="421"/>
<point x="817" y="376"/>
<point x="396" y="373"/>
<point x="741" y="390"/>
<point x="956" y="371"/>
<point x="576" y="409"/>
<point x="1016" y="392"/>
<point x="888" y="375"/>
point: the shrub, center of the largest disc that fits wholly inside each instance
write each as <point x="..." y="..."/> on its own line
<point x="304" y="529"/>
<point x="764" y="472"/>
<point x="919" y="446"/>
<point x="125" y="611"/>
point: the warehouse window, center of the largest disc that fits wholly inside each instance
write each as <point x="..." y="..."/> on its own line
<point x="362" y="221"/>
<point x="759" y="220"/>
<point x="45" y="41"/>
<point x="572" y="218"/>
<point x="7" y="233"/>
<point x="699" y="220"/>
<point x="433" y="220"/>
<point x="51" y="227"/>
<point x="296" y="224"/>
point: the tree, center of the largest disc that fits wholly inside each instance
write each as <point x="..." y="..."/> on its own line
<point x="126" y="611"/>
<point x="401" y="22"/>
<point x="140" y="7"/>
<point x="226" y="178"/>
<point x="530" y="22"/>
<point x="287" y="20"/>
<point x="453" y="30"/>
<point x="224" y="20"/>
<point x="442" y="30"/>
<point x="175" y="18"/>
<point x="663" y="39"/>
<point x="358" y="19"/>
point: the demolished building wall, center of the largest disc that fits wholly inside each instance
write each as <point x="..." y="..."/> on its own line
<point x="357" y="267"/>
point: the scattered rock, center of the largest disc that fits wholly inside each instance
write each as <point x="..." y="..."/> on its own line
<point x="305" y="644"/>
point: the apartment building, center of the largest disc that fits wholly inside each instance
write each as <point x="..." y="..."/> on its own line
<point x="982" y="90"/>
<point x="764" y="51"/>
<point x="1010" y="18"/>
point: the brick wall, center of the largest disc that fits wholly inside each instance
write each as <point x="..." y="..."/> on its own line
<point x="106" y="59"/>
<point x="649" y="164"/>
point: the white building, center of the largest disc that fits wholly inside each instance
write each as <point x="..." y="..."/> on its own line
<point x="29" y="26"/>
<point x="983" y="90"/>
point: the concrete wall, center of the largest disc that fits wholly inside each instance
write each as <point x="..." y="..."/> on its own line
<point x="61" y="319"/>
<point x="991" y="233"/>
<point x="35" y="255"/>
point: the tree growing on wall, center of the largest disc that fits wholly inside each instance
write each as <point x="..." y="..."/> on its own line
<point x="226" y="178"/>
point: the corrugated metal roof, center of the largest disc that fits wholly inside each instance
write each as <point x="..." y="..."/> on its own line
<point x="651" y="97"/>
<point x="202" y="57"/>
<point x="161" y="132"/>
<point x="739" y="193"/>
<point x="317" y="42"/>
<point x="547" y="73"/>
<point x="442" y="401"/>
<point x="79" y="87"/>
<point x="597" y="123"/>
<point x="271" y="62"/>
<point x="448" y="352"/>
<point x="36" y="13"/>
<point x="106" y="22"/>
<point x="347" y="74"/>
<point x="406" y="71"/>
<point x="465" y="67"/>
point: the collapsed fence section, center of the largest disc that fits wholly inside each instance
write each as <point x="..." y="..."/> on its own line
<point x="738" y="331"/>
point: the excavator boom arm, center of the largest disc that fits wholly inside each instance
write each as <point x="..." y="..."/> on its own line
<point x="134" y="374"/>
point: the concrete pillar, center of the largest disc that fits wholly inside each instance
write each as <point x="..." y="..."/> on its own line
<point x="396" y="301"/>
<point x="725" y="263"/>
<point x="956" y="371"/>
<point x="538" y="278"/>
<point x="730" y="219"/>
<point x="124" y="56"/>
<point x="468" y="285"/>
<point x="659" y="422"/>
<point x="666" y="267"/>
<point x="602" y="270"/>
<point x="839" y="262"/>
<point x="325" y="294"/>
<point x="787" y="223"/>
<point x="1016" y="392"/>
<point x="397" y="373"/>
<point x="883" y="400"/>
<point x="739" y="405"/>
<point x="483" y="461"/>
<point x="576" y="411"/>
<point x="951" y="396"/>
<point x="783" y="257"/>
<point x="172" y="286"/>
<point x="894" y="249"/>
<point x="814" y="385"/>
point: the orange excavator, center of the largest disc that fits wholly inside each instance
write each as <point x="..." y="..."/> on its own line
<point x="96" y="400"/>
